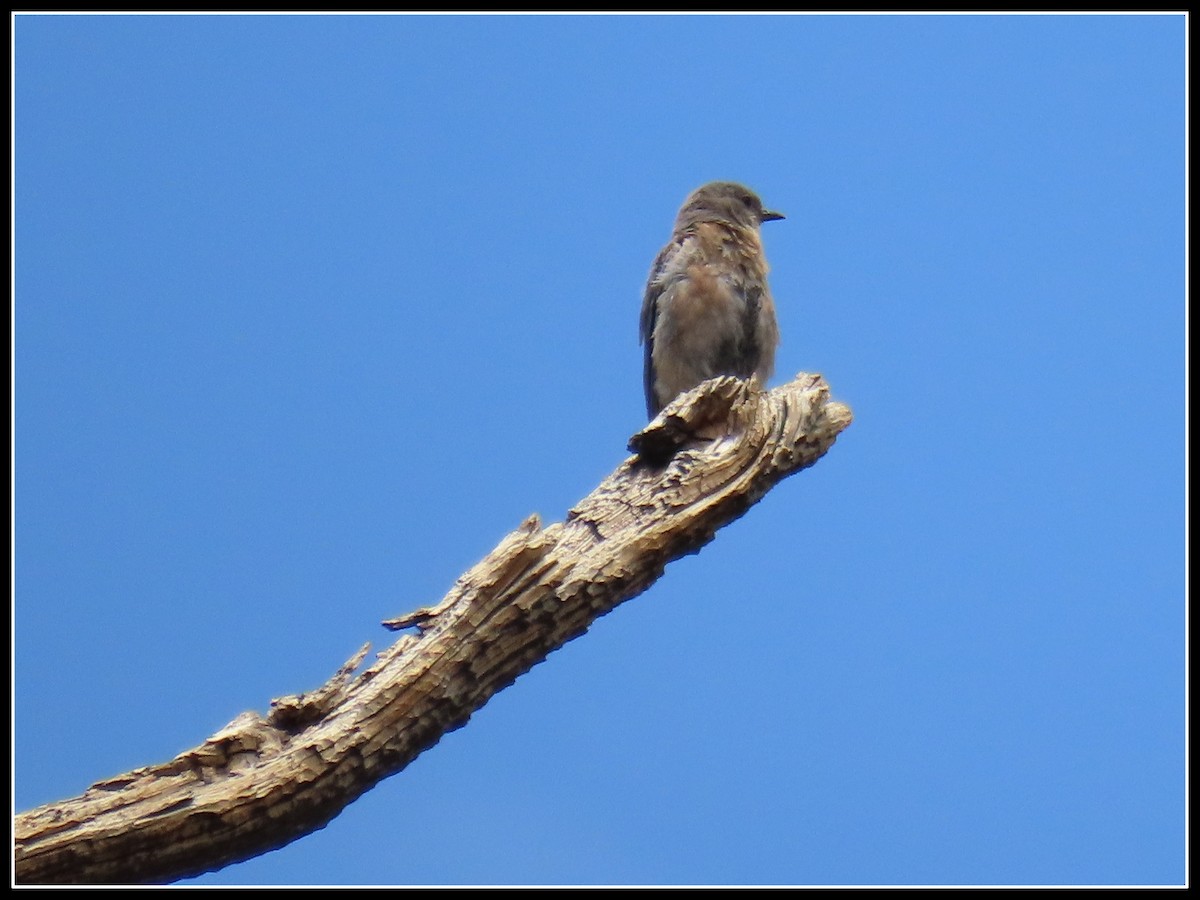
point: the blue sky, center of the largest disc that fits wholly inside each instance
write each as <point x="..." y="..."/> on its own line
<point x="311" y="311"/>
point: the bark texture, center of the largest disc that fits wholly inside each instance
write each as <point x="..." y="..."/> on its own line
<point x="264" y="780"/>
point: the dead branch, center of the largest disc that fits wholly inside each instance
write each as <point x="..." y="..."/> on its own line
<point x="262" y="781"/>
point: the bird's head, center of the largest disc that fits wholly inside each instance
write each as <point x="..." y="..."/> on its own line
<point x="724" y="201"/>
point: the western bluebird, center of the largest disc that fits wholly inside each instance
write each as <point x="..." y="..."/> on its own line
<point x="707" y="309"/>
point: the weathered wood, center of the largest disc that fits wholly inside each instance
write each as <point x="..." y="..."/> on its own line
<point x="262" y="781"/>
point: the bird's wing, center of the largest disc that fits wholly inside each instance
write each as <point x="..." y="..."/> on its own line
<point x="654" y="288"/>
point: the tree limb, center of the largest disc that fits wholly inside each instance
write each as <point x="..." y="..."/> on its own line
<point x="262" y="781"/>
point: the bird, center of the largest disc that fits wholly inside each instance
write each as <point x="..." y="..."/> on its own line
<point x="707" y="310"/>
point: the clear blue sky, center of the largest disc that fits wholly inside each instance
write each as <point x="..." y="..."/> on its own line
<point x="311" y="311"/>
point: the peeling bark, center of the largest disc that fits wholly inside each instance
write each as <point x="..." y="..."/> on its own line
<point x="263" y="781"/>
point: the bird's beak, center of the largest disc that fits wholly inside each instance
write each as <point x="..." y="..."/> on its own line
<point x="769" y="216"/>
